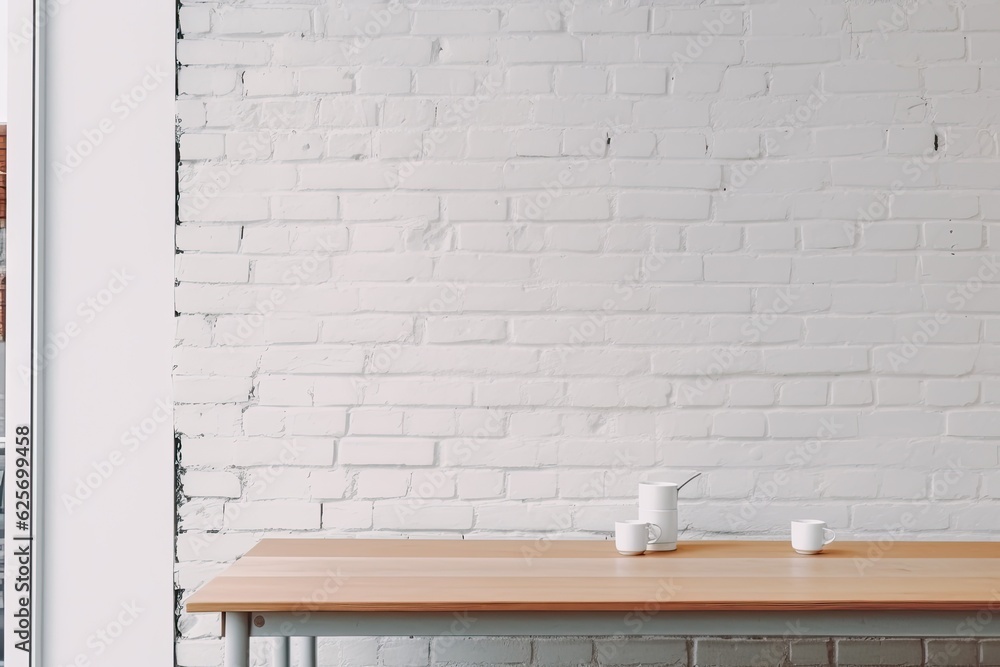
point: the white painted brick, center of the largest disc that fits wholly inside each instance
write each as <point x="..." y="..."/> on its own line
<point x="692" y="21"/>
<point x="736" y="144"/>
<point x="802" y="393"/>
<point x="220" y="52"/>
<point x="849" y="141"/>
<point x="455" y="21"/>
<point x="530" y="485"/>
<point x="739" y="425"/>
<point x="953" y="236"/>
<point x="661" y="205"/>
<point x="580" y="80"/>
<point x="325" y="80"/>
<point x="206" y="269"/>
<point x="304" y="207"/>
<point x="531" y="18"/>
<point x="770" y="237"/>
<point x="380" y="451"/>
<point x="586" y="19"/>
<point x="911" y="140"/>
<point x="445" y="82"/>
<point x="373" y="19"/>
<point x="382" y="483"/>
<point x="202" y="146"/>
<point x="529" y="79"/>
<point x="775" y="20"/>
<point x="869" y="78"/>
<point x="914" y="47"/>
<point x="561" y="48"/>
<point x="421" y="514"/>
<point x="347" y="515"/>
<point x="727" y="269"/>
<point x="640" y="80"/>
<point x="464" y="329"/>
<point x="261" y="21"/>
<point x="675" y="49"/>
<point x="792" y="50"/>
<point x="383" y="80"/>
<point x="216" y="81"/>
<point x="348" y="145"/>
<point x="480" y="484"/>
<point x="973" y="424"/>
<point x="464" y="50"/>
<point x="951" y="79"/>
<point x="608" y="48"/>
<point x="851" y="392"/>
<point x="537" y="143"/>
<point x="210" y="484"/>
<point x="272" y="514"/>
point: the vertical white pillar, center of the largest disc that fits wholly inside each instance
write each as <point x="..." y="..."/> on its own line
<point x="279" y="652"/>
<point x="237" y="639"/>
<point x="305" y="650"/>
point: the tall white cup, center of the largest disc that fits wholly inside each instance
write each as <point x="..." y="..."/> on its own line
<point x="657" y="496"/>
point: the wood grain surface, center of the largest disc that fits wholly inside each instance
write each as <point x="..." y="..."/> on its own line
<point x="576" y="575"/>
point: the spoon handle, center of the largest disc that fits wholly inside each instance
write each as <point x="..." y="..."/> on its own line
<point x="696" y="475"/>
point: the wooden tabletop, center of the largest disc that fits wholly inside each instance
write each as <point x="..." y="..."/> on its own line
<point x="554" y="575"/>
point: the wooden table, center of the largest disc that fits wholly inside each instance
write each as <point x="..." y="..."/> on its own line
<point x="310" y="588"/>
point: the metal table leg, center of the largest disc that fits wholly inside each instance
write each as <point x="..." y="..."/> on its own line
<point x="279" y="650"/>
<point x="237" y="626"/>
<point x="305" y="649"/>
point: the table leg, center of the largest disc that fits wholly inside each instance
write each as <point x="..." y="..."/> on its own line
<point x="237" y="639"/>
<point x="280" y="652"/>
<point x="305" y="649"/>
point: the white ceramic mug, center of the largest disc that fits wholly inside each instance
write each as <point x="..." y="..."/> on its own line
<point x="631" y="537"/>
<point x="809" y="536"/>
<point x="657" y="496"/>
<point x="666" y="521"/>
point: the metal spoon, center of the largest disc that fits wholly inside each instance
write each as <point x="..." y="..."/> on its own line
<point x="696" y="475"/>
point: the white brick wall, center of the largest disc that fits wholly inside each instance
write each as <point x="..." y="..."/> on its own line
<point x="478" y="268"/>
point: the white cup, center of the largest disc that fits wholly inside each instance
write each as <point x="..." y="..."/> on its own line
<point x="657" y="496"/>
<point x="809" y="536"/>
<point x="666" y="521"/>
<point x="631" y="537"/>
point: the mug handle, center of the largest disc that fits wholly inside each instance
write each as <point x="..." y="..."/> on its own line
<point x="828" y="536"/>
<point x="651" y="528"/>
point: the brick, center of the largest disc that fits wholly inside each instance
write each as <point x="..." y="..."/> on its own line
<point x="636" y="651"/>
<point x="736" y="652"/>
<point x="480" y="650"/>
<point x="974" y="424"/>
<point x="869" y="78"/>
<point x="792" y="50"/>
<point x="640" y="80"/>
<point x="563" y="652"/>
<point x="989" y="653"/>
<point x="347" y="515"/>
<point x="380" y="451"/>
<point x="210" y="484"/>
<point x="540" y="49"/>
<point x="810" y="652"/>
<point x="452" y="21"/>
<point x="202" y="146"/>
<point x="405" y="652"/>
<point x="261" y="21"/>
<point x="879" y="652"/>
<point x="272" y="514"/>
